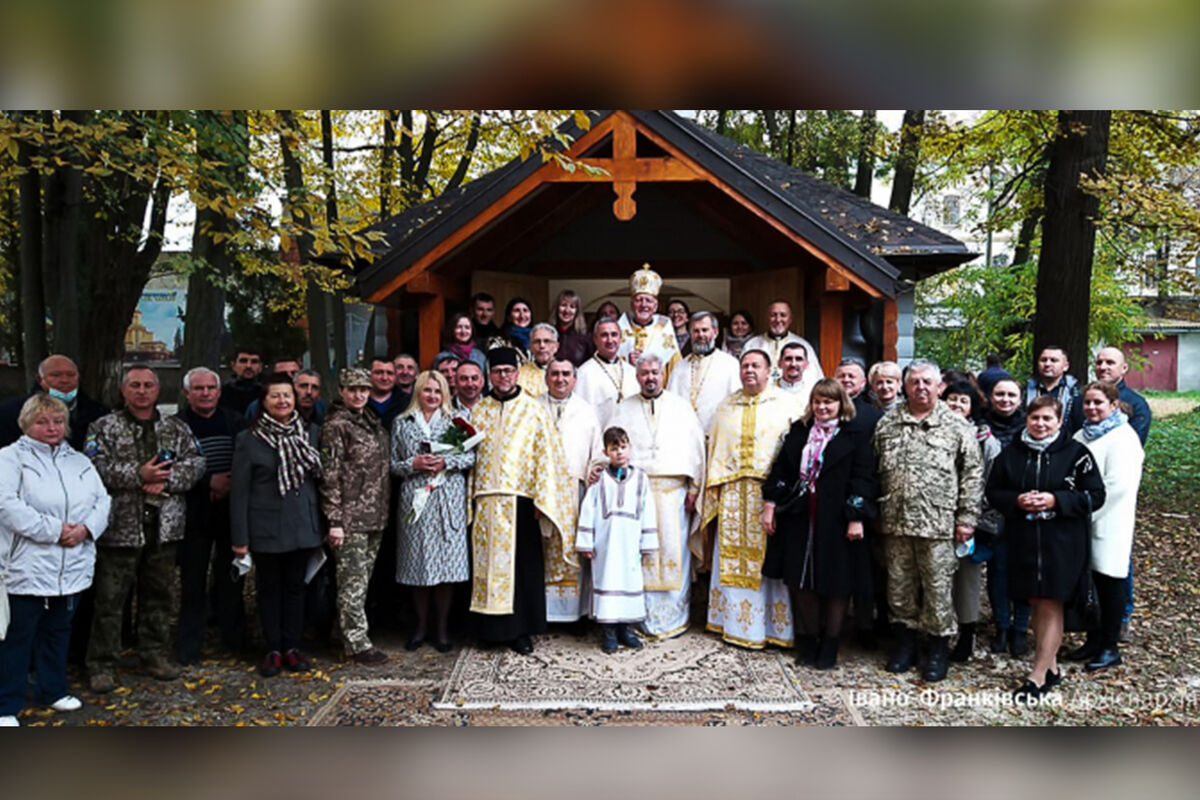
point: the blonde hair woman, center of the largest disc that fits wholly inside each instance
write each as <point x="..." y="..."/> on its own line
<point x="431" y="540"/>
<point x="574" y="342"/>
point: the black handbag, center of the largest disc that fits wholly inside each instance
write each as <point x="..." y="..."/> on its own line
<point x="794" y="500"/>
<point x="1082" y="612"/>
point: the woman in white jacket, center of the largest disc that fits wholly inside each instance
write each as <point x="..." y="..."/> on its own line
<point x="52" y="507"/>
<point x="1118" y="452"/>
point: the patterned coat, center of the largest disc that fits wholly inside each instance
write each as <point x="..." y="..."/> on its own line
<point x="433" y="549"/>
<point x="354" y="462"/>
<point x="118" y="452"/>
<point x="930" y="473"/>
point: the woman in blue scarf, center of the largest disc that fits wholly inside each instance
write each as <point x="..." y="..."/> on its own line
<point x="518" y="320"/>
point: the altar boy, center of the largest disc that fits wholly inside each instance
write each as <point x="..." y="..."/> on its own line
<point x="617" y="526"/>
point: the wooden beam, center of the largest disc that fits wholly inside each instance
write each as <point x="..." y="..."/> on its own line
<point x="624" y="150"/>
<point x="828" y="260"/>
<point x="638" y="169"/>
<point x="487" y="216"/>
<point x="431" y="318"/>
<point x="891" y="330"/>
<point x="832" y="306"/>
<point x="429" y="283"/>
<point x="836" y="281"/>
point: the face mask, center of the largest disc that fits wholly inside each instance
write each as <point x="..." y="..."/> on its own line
<point x="66" y="397"/>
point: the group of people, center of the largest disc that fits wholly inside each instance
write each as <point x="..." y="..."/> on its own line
<point x="563" y="472"/>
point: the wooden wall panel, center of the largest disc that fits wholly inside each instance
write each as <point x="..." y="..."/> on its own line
<point x="754" y="292"/>
<point x="506" y="285"/>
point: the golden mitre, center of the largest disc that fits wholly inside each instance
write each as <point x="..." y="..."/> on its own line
<point x="645" y="281"/>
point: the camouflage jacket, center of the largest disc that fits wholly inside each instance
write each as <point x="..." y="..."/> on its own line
<point x="118" y="452"/>
<point x="354" y="461"/>
<point x="930" y="473"/>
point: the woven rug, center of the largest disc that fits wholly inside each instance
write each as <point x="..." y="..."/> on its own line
<point x="694" y="672"/>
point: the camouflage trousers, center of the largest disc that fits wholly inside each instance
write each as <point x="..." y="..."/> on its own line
<point x="355" y="560"/>
<point x="920" y="581"/>
<point x="152" y="568"/>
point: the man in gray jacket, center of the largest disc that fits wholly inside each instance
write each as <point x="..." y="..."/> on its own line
<point x="147" y="462"/>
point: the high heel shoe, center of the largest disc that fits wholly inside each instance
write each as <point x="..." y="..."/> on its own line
<point x="414" y="643"/>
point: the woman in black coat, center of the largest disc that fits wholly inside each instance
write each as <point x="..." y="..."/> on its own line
<point x="1046" y="485"/>
<point x="274" y="513"/>
<point x="815" y="544"/>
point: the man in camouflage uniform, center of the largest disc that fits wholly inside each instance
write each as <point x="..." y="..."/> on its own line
<point x="147" y="462"/>
<point x="354" y="498"/>
<point x="931" y="477"/>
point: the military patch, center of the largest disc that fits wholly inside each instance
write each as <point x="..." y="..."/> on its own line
<point x="91" y="446"/>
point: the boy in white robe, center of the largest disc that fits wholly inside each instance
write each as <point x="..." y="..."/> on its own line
<point x="617" y="526"/>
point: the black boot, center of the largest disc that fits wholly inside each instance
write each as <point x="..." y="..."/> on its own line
<point x="903" y="655"/>
<point x="999" y="642"/>
<point x="965" y="644"/>
<point x="936" y="664"/>
<point x="806" y="650"/>
<point x="1018" y="643"/>
<point x="627" y="637"/>
<point x="827" y="653"/>
<point x="608" y="642"/>
<point x="1090" y="648"/>
<point x="1110" y="656"/>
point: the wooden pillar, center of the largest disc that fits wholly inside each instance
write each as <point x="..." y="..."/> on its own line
<point x="395" y="336"/>
<point x="833" y="305"/>
<point x="891" y="329"/>
<point x="431" y="318"/>
<point x="624" y="148"/>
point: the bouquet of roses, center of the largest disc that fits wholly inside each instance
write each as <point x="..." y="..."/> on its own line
<point x="460" y="437"/>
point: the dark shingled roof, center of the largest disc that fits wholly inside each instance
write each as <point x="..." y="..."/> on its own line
<point x="854" y="231"/>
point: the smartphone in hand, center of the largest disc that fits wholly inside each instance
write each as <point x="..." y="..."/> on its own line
<point x="165" y="457"/>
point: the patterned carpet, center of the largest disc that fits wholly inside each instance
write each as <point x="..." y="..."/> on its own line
<point x="694" y="680"/>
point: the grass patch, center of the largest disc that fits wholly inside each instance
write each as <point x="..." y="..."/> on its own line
<point x="1177" y="395"/>
<point x="1173" y="460"/>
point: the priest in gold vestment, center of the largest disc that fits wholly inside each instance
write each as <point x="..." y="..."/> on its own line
<point x="576" y="424"/>
<point x="523" y="530"/>
<point x="748" y="429"/>
<point x="667" y="443"/>
<point x="543" y="344"/>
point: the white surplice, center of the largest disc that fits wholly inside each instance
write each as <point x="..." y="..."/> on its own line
<point x="618" y="527"/>
<point x="667" y="442"/>
<point x="704" y="381"/>
<point x="774" y="348"/>
<point x="658" y="337"/>
<point x="604" y="384"/>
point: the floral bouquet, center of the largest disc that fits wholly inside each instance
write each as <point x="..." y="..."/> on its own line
<point x="460" y="437"/>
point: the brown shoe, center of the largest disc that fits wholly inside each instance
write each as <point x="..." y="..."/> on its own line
<point x="162" y="669"/>
<point x="371" y="657"/>
<point x="102" y="682"/>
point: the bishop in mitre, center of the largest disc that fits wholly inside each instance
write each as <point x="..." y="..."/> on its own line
<point x="605" y="379"/>
<point x="543" y="344"/>
<point x="743" y="606"/>
<point x="708" y="375"/>
<point x="642" y="329"/>
<point x="524" y="510"/>
<point x="578" y="429"/>
<point x="667" y="443"/>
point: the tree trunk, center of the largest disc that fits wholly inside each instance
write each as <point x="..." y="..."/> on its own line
<point x="314" y="300"/>
<point x="338" y="302"/>
<point x="33" y="304"/>
<point x="386" y="165"/>
<point x="790" y="150"/>
<point x="1069" y="235"/>
<point x="70" y="300"/>
<point x="421" y="173"/>
<point x="722" y="121"/>
<point x="204" y="325"/>
<point x="407" y="165"/>
<point x="772" y="128"/>
<point x="1025" y="237"/>
<point x="906" y="161"/>
<point x="866" y="154"/>
<point x="468" y="151"/>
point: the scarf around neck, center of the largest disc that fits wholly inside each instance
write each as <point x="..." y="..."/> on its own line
<point x="1094" y="430"/>
<point x="298" y="459"/>
<point x="1039" y="445"/>
<point x="519" y="336"/>
<point x="462" y="350"/>
<point x="734" y="344"/>
<point x="813" y="455"/>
